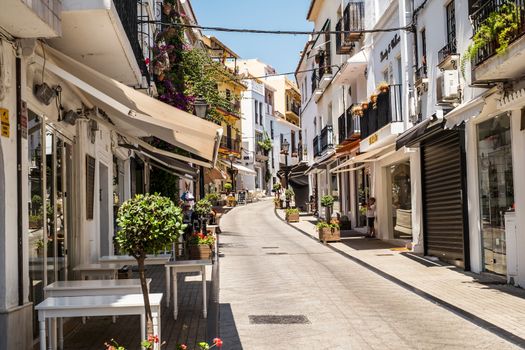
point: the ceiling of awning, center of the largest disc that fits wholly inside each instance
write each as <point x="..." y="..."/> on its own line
<point x="135" y="113"/>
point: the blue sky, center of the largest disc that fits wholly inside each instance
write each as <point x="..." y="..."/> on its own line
<point x="280" y="51"/>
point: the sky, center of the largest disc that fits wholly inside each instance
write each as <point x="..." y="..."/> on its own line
<point x="279" y="51"/>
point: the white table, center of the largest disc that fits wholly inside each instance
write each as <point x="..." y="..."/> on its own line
<point x="185" y="266"/>
<point x="102" y="305"/>
<point x="98" y="271"/>
<point x="90" y="288"/>
<point x="123" y="260"/>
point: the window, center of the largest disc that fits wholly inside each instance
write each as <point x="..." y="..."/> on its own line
<point x="281" y="139"/>
<point x="451" y="23"/>
<point x="271" y="128"/>
<point x="423" y="47"/>
<point x="228" y="95"/>
<point x="294" y="148"/>
<point x="256" y="111"/>
<point x="260" y="113"/>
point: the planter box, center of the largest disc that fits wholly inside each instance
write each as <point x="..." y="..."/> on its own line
<point x="329" y="235"/>
<point x="278" y="205"/>
<point x="292" y="217"/>
<point x="200" y="252"/>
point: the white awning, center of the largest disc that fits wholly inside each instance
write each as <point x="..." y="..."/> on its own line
<point x="366" y="157"/>
<point x="135" y="113"/>
<point x="467" y="110"/>
<point x="244" y="170"/>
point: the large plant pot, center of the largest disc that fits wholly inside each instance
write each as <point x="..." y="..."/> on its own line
<point x="278" y="204"/>
<point x="200" y="252"/>
<point x="327" y="234"/>
<point x="292" y="217"/>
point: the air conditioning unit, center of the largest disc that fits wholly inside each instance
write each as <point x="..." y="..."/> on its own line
<point x="448" y="86"/>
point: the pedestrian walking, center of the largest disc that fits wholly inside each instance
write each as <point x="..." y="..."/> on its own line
<point x="371" y="216"/>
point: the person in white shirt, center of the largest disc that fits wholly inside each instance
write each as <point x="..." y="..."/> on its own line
<point x="371" y="216"/>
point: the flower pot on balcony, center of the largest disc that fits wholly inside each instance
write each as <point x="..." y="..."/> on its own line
<point x="200" y="252"/>
<point x="327" y="234"/>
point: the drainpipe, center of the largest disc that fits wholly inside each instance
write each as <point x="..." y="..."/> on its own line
<point x="20" y="206"/>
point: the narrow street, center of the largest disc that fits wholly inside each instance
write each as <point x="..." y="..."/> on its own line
<point x="269" y="269"/>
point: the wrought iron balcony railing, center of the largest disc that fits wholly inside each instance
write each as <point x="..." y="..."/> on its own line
<point x="386" y="110"/>
<point x="349" y="126"/>
<point x="352" y="23"/>
<point x="447" y="51"/>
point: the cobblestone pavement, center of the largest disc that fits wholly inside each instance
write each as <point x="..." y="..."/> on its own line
<point x="267" y="268"/>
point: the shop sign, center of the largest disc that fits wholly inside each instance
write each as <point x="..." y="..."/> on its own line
<point x="372" y="139"/>
<point x="383" y="55"/>
<point x="4" y="122"/>
<point x="23" y="120"/>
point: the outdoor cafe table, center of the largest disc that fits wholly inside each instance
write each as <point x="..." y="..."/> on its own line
<point x="101" y="305"/>
<point x="90" y="288"/>
<point x="185" y="266"/>
<point x="123" y="260"/>
<point x="98" y="271"/>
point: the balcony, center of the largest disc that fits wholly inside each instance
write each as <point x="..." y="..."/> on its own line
<point x="32" y="19"/>
<point x="229" y="145"/>
<point x="119" y="54"/>
<point x="349" y="127"/>
<point x="421" y="79"/>
<point x="448" y="56"/>
<point x="353" y="20"/>
<point x="324" y="141"/>
<point x="387" y="110"/>
<point x="487" y="64"/>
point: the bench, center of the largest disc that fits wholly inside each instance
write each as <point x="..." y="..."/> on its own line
<point x="172" y="268"/>
<point x="101" y="305"/>
<point x="98" y="271"/>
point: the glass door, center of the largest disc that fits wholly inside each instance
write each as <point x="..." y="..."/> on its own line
<point x="496" y="189"/>
<point x="401" y="203"/>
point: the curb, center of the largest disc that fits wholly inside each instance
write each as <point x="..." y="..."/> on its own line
<point x="478" y="321"/>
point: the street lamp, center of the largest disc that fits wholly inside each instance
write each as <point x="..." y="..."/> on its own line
<point x="200" y="107"/>
<point x="285" y="147"/>
<point x="232" y="157"/>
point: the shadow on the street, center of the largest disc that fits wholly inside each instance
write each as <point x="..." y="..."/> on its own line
<point x="228" y="328"/>
<point x="359" y="242"/>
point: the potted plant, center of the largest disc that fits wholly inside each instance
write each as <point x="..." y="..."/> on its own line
<point x="277" y="188"/>
<point x="292" y="215"/>
<point x="39" y="247"/>
<point x="201" y="246"/>
<point x="328" y="232"/>
<point x="327" y="202"/>
<point x="213" y="197"/>
<point x="364" y="105"/>
<point x="289" y="195"/>
<point x="277" y="202"/>
<point x="383" y="87"/>
<point x="147" y="223"/>
<point x="203" y="209"/>
<point x="228" y="187"/>
<point x="357" y="110"/>
<point x="373" y="100"/>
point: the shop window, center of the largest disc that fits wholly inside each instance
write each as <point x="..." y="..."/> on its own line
<point x="496" y="189"/>
<point x="401" y="204"/>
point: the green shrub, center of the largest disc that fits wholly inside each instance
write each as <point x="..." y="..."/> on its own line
<point x="327" y="201"/>
<point x="277" y="186"/>
<point x="291" y="211"/>
<point x="203" y="207"/>
<point x="323" y="224"/>
<point x="213" y="197"/>
<point x="228" y="186"/>
<point x="289" y="193"/>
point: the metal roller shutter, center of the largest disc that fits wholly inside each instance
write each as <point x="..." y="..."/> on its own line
<point x="444" y="197"/>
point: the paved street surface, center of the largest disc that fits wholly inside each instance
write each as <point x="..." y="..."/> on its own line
<point x="270" y="269"/>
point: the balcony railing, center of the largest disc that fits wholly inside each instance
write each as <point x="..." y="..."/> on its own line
<point x="128" y="14"/>
<point x="326" y="139"/>
<point x="388" y="109"/>
<point x="483" y="13"/>
<point x="315" y="80"/>
<point x="294" y="107"/>
<point x="231" y="144"/>
<point x="421" y="73"/>
<point x="447" y="51"/>
<point x="349" y="126"/>
<point x="352" y="22"/>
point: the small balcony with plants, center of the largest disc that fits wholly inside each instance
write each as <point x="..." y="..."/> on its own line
<point x="498" y="40"/>
<point x="230" y="145"/>
<point x="351" y="25"/>
<point x="381" y="116"/>
<point x="349" y="125"/>
<point x="448" y="56"/>
<point x="421" y="79"/>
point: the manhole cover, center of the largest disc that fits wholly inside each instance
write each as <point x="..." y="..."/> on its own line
<point x="278" y="319"/>
<point x="270" y="247"/>
<point x="277" y="253"/>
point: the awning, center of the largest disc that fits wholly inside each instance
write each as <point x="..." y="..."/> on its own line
<point x="298" y="170"/>
<point x="412" y="133"/>
<point x="240" y="168"/>
<point x="137" y="114"/>
<point x="322" y="162"/>
<point x="371" y="156"/>
<point x="467" y="110"/>
<point x="213" y="174"/>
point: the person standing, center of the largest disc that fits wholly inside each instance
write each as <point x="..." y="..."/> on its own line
<point x="371" y="216"/>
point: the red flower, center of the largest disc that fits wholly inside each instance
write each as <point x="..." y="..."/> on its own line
<point x="217" y="342"/>
<point x="146" y="60"/>
<point x="153" y="338"/>
<point x="182" y="347"/>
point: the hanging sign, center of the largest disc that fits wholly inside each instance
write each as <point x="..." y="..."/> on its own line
<point x="372" y="139"/>
<point x="4" y="122"/>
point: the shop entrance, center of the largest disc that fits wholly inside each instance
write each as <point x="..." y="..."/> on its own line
<point x="400" y="203"/>
<point x="496" y="189"/>
<point x="362" y="193"/>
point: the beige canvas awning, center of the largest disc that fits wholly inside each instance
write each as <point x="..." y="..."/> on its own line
<point x="371" y="156"/>
<point x="135" y="113"/>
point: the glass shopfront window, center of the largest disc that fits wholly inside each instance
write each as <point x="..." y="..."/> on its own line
<point x="496" y="189"/>
<point x="401" y="201"/>
<point x="363" y="193"/>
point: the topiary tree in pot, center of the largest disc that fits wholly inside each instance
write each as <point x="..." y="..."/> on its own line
<point x="327" y="202"/>
<point x="147" y="224"/>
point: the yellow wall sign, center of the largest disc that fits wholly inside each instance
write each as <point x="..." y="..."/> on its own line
<point x="372" y="139"/>
<point x="4" y="122"/>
